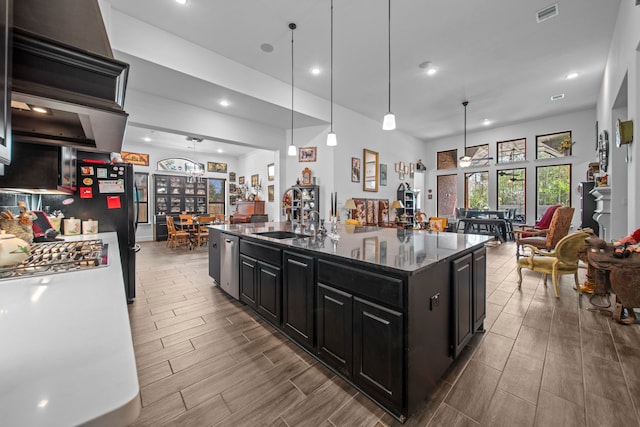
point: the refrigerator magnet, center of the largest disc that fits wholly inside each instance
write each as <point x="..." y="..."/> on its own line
<point x="113" y="202"/>
<point x="87" y="181"/>
<point x="86" y="192"/>
<point x="101" y="172"/>
<point x="86" y="170"/>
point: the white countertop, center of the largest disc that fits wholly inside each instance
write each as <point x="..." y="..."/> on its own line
<point x="66" y="353"/>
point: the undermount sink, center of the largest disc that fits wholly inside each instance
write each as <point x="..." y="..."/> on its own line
<point x="280" y="234"/>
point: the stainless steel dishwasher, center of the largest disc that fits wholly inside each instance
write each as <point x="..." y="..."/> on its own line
<point x="230" y="264"/>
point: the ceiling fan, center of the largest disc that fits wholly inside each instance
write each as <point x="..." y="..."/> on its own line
<point x="511" y="175"/>
<point x="466" y="160"/>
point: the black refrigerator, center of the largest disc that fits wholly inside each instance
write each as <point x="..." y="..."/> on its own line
<point x="106" y="192"/>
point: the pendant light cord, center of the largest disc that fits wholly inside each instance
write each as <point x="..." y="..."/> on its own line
<point x="389" y="34"/>
<point x="465" y="103"/>
<point x="293" y="27"/>
<point x="331" y="77"/>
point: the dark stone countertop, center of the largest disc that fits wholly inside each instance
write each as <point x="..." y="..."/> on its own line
<point x="388" y="248"/>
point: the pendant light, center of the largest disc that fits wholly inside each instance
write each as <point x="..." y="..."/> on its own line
<point x="332" y="141"/>
<point x="389" y="121"/>
<point x="465" y="161"/>
<point x="292" y="148"/>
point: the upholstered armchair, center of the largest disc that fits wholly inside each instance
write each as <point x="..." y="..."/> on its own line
<point x="549" y="237"/>
<point x="562" y="260"/>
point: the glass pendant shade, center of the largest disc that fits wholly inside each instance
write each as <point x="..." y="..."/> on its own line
<point x="389" y="121"/>
<point x="465" y="161"/>
<point x="292" y="150"/>
<point x="332" y="141"/>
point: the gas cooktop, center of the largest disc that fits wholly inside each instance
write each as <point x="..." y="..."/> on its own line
<point x="59" y="257"/>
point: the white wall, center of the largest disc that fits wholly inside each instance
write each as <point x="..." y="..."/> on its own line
<point x="623" y="60"/>
<point x="333" y="166"/>
<point x="582" y="125"/>
<point x="256" y="163"/>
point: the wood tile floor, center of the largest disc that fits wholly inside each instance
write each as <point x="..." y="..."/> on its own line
<point x="204" y="359"/>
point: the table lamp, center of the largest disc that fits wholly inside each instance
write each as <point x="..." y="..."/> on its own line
<point x="397" y="204"/>
<point x="350" y="205"/>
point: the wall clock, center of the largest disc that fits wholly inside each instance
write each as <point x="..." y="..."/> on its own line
<point x="603" y="151"/>
<point x="624" y="132"/>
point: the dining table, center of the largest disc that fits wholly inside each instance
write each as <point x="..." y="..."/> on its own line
<point x="491" y="226"/>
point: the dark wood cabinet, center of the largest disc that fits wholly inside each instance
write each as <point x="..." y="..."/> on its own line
<point x="378" y="351"/>
<point x="462" y="299"/>
<point x="261" y="279"/>
<point x="335" y="328"/>
<point x="479" y="289"/>
<point x="269" y="286"/>
<point x="214" y="254"/>
<point x="248" y="285"/>
<point x="297" y="296"/>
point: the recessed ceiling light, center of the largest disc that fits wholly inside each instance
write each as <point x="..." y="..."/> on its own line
<point x="572" y="75"/>
<point x="224" y="103"/>
<point x="315" y="71"/>
<point x="266" y="47"/>
<point x="181" y="1"/>
<point x="219" y="150"/>
<point x="428" y="67"/>
<point x="486" y="122"/>
<point x="40" y="110"/>
<point x="146" y="139"/>
<point x="557" y="97"/>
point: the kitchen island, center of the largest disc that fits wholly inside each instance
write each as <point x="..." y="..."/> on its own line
<point x="67" y="355"/>
<point x="387" y="309"/>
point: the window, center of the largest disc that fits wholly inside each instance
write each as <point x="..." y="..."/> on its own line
<point x="514" y="150"/>
<point x="553" y="145"/>
<point x="512" y="191"/>
<point x="476" y="190"/>
<point x="447" y="194"/>
<point x="447" y="159"/>
<point x="216" y="195"/>
<point x="479" y="154"/>
<point x="553" y="184"/>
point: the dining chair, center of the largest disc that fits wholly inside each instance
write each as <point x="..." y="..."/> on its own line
<point x="175" y="237"/>
<point x="202" y="231"/>
<point x="546" y="238"/>
<point x="561" y="260"/>
<point x="186" y="221"/>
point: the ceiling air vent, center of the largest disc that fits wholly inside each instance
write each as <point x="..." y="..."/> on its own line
<point x="548" y="12"/>
<point x="557" y="97"/>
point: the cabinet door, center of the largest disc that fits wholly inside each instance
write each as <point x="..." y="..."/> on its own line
<point x="214" y="255"/>
<point x="248" y="288"/>
<point x="377" y="351"/>
<point x="335" y="328"/>
<point x="297" y="296"/>
<point x="479" y="288"/>
<point x="269" y="292"/>
<point x="462" y="297"/>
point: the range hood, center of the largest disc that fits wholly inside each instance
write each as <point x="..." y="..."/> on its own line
<point x="63" y="67"/>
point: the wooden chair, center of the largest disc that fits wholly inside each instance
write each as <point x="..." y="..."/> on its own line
<point x="176" y="237"/>
<point x="186" y="221"/>
<point x="546" y="238"/>
<point x="202" y="232"/>
<point x="562" y="260"/>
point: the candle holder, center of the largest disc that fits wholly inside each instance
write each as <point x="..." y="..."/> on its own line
<point x="333" y="230"/>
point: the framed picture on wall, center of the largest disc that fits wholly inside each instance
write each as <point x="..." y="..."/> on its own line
<point x="241" y="180"/>
<point x="254" y="180"/>
<point x="383" y="174"/>
<point x="271" y="192"/>
<point x="355" y="169"/>
<point x="307" y="154"/>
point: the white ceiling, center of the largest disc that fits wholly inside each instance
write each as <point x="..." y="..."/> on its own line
<point x="490" y="52"/>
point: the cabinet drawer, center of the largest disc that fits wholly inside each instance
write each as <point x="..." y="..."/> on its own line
<point x="376" y="287"/>
<point x="264" y="253"/>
